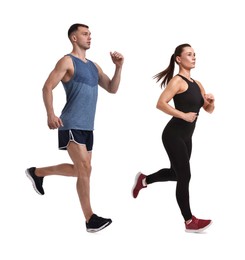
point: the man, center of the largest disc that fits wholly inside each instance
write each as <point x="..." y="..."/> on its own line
<point x="80" y="78"/>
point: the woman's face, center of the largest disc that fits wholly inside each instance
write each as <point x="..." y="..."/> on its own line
<point x="187" y="59"/>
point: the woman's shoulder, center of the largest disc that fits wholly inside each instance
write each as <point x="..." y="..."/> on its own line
<point x="176" y="79"/>
<point x="177" y="84"/>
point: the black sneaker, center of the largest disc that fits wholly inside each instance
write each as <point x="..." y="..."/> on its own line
<point x="96" y="223"/>
<point x="37" y="182"/>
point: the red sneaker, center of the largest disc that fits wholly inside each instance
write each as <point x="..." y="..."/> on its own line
<point x="138" y="185"/>
<point x="197" y="225"/>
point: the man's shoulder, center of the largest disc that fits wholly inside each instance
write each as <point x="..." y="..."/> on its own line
<point x="64" y="62"/>
<point x="65" y="59"/>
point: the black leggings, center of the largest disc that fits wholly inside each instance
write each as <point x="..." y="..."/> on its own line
<point x="177" y="140"/>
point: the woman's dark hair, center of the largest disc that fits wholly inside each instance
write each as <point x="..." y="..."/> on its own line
<point x="166" y="75"/>
<point x="75" y="27"/>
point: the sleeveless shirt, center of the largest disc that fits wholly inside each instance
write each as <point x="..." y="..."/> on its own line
<point x="81" y="96"/>
<point x="190" y="100"/>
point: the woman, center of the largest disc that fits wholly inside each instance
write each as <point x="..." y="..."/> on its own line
<point x="188" y="96"/>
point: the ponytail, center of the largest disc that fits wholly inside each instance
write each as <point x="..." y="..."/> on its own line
<point x="166" y="75"/>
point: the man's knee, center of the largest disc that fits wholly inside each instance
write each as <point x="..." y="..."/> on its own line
<point x="83" y="168"/>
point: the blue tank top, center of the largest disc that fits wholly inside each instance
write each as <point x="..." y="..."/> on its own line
<point x="81" y="96"/>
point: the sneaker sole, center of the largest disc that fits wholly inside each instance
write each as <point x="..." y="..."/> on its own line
<point x="198" y="230"/>
<point x="33" y="182"/>
<point x="94" y="230"/>
<point x="135" y="183"/>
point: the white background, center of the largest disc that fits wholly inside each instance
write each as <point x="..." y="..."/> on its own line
<point x="128" y="130"/>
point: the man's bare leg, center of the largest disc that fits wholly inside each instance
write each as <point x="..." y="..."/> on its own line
<point x="64" y="169"/>
<point x="82" y="169"/>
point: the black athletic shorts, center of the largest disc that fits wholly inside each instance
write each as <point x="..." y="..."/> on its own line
<point x="82" y="137"/>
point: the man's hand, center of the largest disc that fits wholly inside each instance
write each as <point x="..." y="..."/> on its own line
<point x="54" y="122"/>
<point x="117" y="58"/>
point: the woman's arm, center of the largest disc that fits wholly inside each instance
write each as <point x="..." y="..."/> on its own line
<point x="208" y="105"/>
<point x="174" y="87"/>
